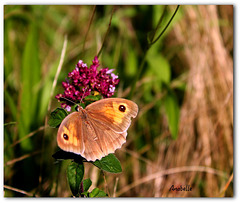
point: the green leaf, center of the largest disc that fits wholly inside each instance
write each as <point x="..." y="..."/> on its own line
<point x="76" y="106"/>
<point x="12" y="105"/>
<point x="86" y="184"/>
<point x="109" y="163"/>
<point x="157" y="12"/>
<point x="160" y="67"/>
<point x="47" y="82"/>
<point x="92" y="98"/>
<point x="96" y="192"/>
<point x="131" y="63"/>
<point x="56" y="117"/>
<point x="75" y="172"/>
<point x="172" y="112"/>
<point x="30" y="79"/>
<point x="101" y="194"/>
<point x="85" y="193"/>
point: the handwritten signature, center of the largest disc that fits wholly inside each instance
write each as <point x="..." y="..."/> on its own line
<point x="182" y="188"/>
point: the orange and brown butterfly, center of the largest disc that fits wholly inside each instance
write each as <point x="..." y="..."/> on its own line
<point x="97" y="130"/>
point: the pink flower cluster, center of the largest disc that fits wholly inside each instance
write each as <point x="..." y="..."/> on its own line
<point x="84" y="81"/>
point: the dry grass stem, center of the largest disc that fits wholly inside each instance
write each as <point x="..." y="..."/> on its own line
<point x="115" y="187"/>
<point x="222" y="193"/>
<point x="21" y="158"/>
<point x="58" y="70"/>
<point x="28" y="136"/>
<point x="169" y="172"/>
<point x="20" y="191"/>
<point x="206" y="119"/>
<point x="51" y="95"/>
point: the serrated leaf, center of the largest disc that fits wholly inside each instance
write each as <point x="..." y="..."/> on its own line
<point x="109" y="163"/>
<point x="56" y="117"/>
<point x="172" y="112"/>
<point x="75" y="172"/>
<point x="86" y="184"/>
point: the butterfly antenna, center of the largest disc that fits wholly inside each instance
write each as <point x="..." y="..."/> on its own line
<point x="68" y="100"/>
<point x="83" y="95"/>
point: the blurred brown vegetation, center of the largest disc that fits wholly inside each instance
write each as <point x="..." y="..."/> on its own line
<point x="206" y="119"/>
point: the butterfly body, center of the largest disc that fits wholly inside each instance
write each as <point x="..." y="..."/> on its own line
<point x="97" y="130"/>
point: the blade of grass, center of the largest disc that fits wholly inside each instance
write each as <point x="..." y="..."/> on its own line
<point x="50" y="101"/>
<point x="58" y="72"/>
<point x="10" y="123"/>
<point x="89" y="24"/>
<point x="30" y="77"/>
<point x="146" y="51"/>
<point x="106" y="34"/>
<point x="165" y="26"/>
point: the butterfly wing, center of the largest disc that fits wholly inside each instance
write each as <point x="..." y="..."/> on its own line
<point x="76" y="134"/>
<point x="98" y="130"/>
<point x="107" y="139"/>
<point x="110" y="119"/>
<point x="113" y="112"/>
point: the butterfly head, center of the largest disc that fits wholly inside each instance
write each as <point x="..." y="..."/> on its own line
<point x="78" y="108"/>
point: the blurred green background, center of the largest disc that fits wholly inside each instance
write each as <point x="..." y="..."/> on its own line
<point x="183" y="134"/>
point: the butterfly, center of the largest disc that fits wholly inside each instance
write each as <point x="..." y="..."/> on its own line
<point x="97" y="130"/>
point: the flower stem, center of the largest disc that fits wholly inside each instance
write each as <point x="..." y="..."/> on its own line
<point x="105" y="37"/>
<point x="148" y="47"/>
<point x="81" y="188"/>
<point x="89" y="24"/>
<point x="165" y="26"/>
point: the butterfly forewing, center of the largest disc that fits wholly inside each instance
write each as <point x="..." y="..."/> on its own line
<point x="114" y="112"/>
